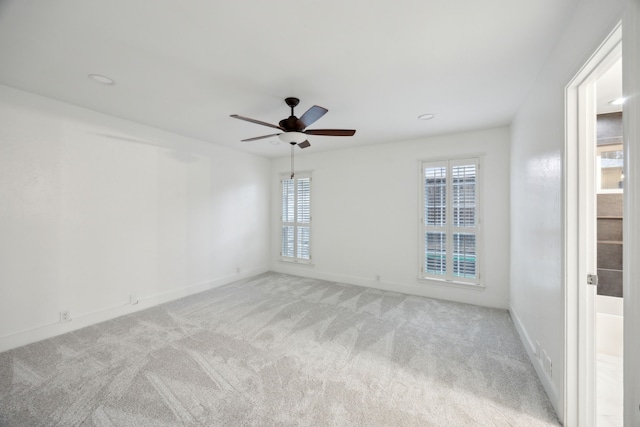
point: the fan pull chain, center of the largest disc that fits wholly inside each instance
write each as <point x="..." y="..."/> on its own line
<point x="292" y="145"/>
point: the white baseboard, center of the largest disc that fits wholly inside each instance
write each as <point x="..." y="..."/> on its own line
<point x="82" y="320"/>
<point x="529" y="346"/>
<point x="438" y="291"/>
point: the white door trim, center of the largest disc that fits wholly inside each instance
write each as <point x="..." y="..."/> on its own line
<point x="631" y="230"/>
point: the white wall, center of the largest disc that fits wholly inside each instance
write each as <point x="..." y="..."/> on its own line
<point x="538" y="131"/>
<point x="93" y="209"/>
<point x="365" y="213"/>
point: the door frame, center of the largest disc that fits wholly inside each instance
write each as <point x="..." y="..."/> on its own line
<point x="580" y="232"/>
<point x="631" y="227"/>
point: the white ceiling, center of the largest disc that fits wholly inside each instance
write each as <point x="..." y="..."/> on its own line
<point x="376" y="65"/>
<point x="609" y="88"/>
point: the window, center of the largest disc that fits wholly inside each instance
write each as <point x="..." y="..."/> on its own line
<point x="609" y="163"/>
<point x="450" y="221"/>
<point x="296" y="218"/>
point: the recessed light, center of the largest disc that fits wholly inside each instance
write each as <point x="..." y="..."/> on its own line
<point x="102" y="79"/>
<point x="426" y="116"/>
<point x="618" y="101"/>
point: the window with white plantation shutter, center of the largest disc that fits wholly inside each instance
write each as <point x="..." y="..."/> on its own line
<point x="296" y="218"/>
<point x="450" y="221"/>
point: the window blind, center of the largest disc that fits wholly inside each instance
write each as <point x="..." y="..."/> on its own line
<point x="296" y="218"/>
<point x="450" y="220"/>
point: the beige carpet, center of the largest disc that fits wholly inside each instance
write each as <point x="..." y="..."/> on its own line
<point x="279" y="350"/>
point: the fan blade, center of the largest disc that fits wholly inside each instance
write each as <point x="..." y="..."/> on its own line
<point x="312" y="114"/>
<point x="258" y="122"/>
<point x="304" y="144"/>
<point x="331" y="132"/>
<point x="260" y="137"/>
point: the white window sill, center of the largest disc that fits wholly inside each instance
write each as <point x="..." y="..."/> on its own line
<point x="452" y="284"/>
<point x="294" y="262"/>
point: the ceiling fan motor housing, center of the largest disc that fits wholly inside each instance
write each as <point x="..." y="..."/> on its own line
<point x="292" y="124"/>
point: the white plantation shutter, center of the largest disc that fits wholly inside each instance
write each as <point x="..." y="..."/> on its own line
<point x="288" y="204"/>
<point x="450" y="220"/>
<point x="288" y="237"/>
<point x="464" y="195"/>
<point x="435" y="219"/>
<point x="296" y="218"/>
<point x="303" y="251"/>
<point x="304" y="198"/>
<point x="303" y="207"/>
<point x="463" y="203"/>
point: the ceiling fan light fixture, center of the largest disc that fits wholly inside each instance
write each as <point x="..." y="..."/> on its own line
<point x="292" y="137"/>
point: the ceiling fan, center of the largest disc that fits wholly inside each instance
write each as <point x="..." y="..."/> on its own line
<point x="294" y="130"/>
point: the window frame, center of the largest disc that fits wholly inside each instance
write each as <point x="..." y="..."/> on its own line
<point x="605" y="148"/>
<point x="295" y="224"/>
<point x="449" y="279"/>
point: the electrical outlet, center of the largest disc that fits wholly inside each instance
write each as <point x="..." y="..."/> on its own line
<point x="65" y="316"/>
<point x="547" y="365"/>
<point x="377" y="277"/>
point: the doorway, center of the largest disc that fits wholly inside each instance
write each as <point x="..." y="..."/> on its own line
<point x="589" y="174"/>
